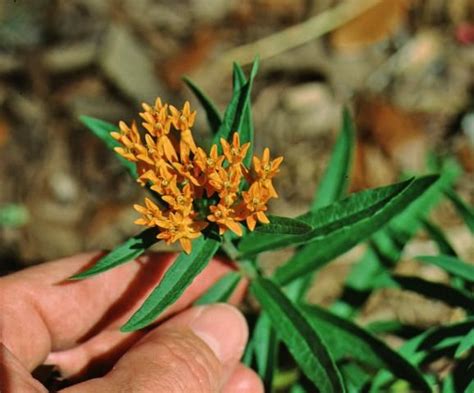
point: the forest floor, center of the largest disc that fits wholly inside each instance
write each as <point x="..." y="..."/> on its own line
<point x="405" y="68"/>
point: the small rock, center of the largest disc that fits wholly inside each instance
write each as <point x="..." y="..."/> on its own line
<point x="130" y="67"/>
<point x="64" y="187"/>
<point x="467" y="125"/>
<point x="69" y="57"/>
<point x="9" y="63"/>
<point x="419" y="54"/>
<point x="307" y="97"/>
<point x="211" y="11"/>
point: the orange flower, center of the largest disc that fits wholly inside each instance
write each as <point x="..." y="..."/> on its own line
<point x="208" y="164"/>
<point x="179" y="227"/>
<point x="255" y="201"/>
<point x="157" y="121"/>
<point x="150" y="213"/>
<point x="266" y="170"/>
<point x="187" y="169"/>
<point x="226" y="181"/>
<point x="225" y="218"/>
<point x="163" y="181"/>
<point x="181" y="201"/>
<point x="184" y="119"/>
<point x="181" y="173"/>
<point x="130" y="139"/>
<point x="234" y="153"/>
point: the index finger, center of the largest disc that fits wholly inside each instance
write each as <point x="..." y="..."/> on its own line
<point x="39" y="315"/>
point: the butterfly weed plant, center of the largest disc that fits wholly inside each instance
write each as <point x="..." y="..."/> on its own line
<point x="215" y="201"/>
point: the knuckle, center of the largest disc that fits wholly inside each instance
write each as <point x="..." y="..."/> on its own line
<point x="171" y="362"/>
<point x="192" y="365"/>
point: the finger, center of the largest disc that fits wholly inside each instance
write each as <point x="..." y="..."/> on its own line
<point x="96" y="356"/>
<point x="243" y="380"/>
<point x="14" y="377"/>
<point x="41" y="313"/>
<point x="195" y="351"/>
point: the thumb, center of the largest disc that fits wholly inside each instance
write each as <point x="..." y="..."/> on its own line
<point x="196" y="351"/>
<point x="14" y="377"/>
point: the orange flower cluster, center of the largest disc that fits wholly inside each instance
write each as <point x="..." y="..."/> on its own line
<point x="195" y="188"/>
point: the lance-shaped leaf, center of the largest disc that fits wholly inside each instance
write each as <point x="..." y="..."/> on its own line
<point x="419" y="347"/>
<point x="213" y="116"/>
<point x="386" y="245"/>
<point x="297" y="388"/>
<point x="391" y="240"/>
<point x="338" y="215"/>
<point x="265" y="346"/>
<point x="347" y="341"/>
<point x="284" y="226"/>
<point x="176" y="279"/>
<point x="222" y="289"/>
<point x="234" y="114"/>
<point x="246" y="131"/>
<point x="334" y="182"/>
<point x="355" y="377"/>
<point x="102" y="130"/>
<point x="438" y="237"/>
<point x="450" y="264"/>
<point x="342" y="235"/>
<point x="331" y="188"/>
<point x="450" y="295"/>
<point x="465" y="345"/>
<point x="307" y="348"/>
<point x="125" y="252"/>
<point x="464" y="210"/>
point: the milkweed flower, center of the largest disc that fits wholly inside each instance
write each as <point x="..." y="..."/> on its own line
<point x="194" y="189"/>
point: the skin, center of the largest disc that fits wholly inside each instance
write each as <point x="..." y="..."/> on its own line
<point x="46" y="319"/>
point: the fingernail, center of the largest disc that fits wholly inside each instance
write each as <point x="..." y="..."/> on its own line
<point x="224" y="329"/>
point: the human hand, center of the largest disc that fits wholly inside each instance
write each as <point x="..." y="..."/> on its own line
<point x="75" y="325"/>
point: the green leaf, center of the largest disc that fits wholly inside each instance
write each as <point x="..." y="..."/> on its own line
<point x="466" y="344"/>
<point x="333" y="185"/>
<point x="297" y="289"/>
<point x="403" y="227"/>
<point x="368" y="266"/>
<point x="355" y="377"/>
<point x="347" y="341"/>
<point x="452" y="296"/>
<point x="247" y="357"/>
<point x="464" y="210"/>
<point x="302" y="341"/>
<point x="212" y="113"/>
<point x="297" y="388"/>
<point x="451" y="265"/>
<point x="221" y="291"/>
<point x="102" y="130"/>
<point x="125" y="252"/>
<point x="384" y="327"/>
<point x="470" y="387"/>
<point x="234" y="114"/>
<point x="439" y="238"/>
<point x="13" y="216"/>
<point x="418" y="348"/>
<point x="386" y="246"/>
<point x="327" y="219"/>
<point x="176" y="279"/>
<point x="265" y="344"/>
<point x="247" y="129"/>
<point x="339" y="237"/>
<point x="284" y="226"/>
